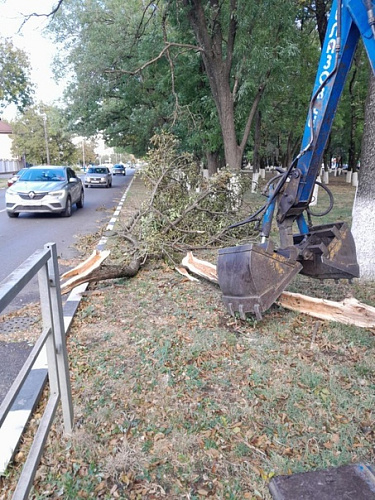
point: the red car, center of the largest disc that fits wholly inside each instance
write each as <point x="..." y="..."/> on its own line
<point x="15" y="177"/>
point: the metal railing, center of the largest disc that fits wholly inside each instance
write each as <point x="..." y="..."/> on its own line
<point x="42" y="263"/>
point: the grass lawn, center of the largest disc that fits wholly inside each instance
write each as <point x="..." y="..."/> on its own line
<point x="175" y="399"/>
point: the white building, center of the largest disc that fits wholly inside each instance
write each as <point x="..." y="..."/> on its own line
<point x="7" y="163"/>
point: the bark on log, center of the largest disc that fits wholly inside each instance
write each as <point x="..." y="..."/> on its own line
<point x="349" y="311"/>
<point x="102" y="273"/>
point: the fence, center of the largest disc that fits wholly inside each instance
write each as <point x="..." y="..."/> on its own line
<point x="42" y="263"/>
<point x="10" y="166"/>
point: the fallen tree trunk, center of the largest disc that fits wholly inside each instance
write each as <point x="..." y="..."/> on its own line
<point x="200" y="267"/>
<point x="101" y="273"/>
<point x="349" y="311"/>
<point x="94" y="261"/>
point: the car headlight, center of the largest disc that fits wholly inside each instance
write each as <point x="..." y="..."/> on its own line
<point x="10" y="196"/>
<point x="102" y="179"/>
<point x="57" y="194"/>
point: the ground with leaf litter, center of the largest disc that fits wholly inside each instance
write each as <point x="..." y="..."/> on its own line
<point x="174" y="399"/>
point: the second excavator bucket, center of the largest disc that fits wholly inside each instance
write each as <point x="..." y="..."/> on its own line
<point x="328" y="251"/>
<point x="252" y="277"/>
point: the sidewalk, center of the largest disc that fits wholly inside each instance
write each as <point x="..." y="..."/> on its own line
<point x="14" y="426"/>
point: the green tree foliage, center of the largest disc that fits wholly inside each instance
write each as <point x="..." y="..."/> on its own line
<point x="185" y="211"/>
<point x="34" y="127"/>
<point x="15" y="85"/>
<point x="285" y="106"/>
<point x="207" y="76"/>
<point x="106" y="40"/>
<point x="200" y="69"/>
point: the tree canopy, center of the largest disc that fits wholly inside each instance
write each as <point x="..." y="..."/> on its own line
<point x="15" y="84"/>
<point x="229" y="79"/>
<point x="39" y="124"/>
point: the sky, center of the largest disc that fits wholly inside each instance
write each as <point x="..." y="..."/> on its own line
<point x="39" y="49"/>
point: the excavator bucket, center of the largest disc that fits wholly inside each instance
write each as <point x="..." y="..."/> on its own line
<point x="252" y="277"/>
<point x="328" y="252"/>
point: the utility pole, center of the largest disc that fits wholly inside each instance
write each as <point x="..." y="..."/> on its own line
<point x="46" y="137"/>
<point x="83" y="153"/>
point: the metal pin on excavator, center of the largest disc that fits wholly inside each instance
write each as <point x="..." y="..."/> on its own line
<point x="252" y="276"/>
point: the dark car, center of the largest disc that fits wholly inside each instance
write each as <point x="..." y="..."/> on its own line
<point x="119" y="169"/>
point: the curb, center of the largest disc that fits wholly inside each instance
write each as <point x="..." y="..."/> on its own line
<point x="13" y="427"/>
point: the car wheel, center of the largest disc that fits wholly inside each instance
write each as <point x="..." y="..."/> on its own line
<point x="81" y="200"/>
<point x="86" y="185"/>
<point x="13" y="215"/>
<point x="68" y="208"/>
<point x="124" y="173"/>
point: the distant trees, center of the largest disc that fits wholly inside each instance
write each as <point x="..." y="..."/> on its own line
<point x="36" y="126"/>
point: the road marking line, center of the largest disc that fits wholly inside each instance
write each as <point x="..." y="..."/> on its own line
<point x="22" y="409"/>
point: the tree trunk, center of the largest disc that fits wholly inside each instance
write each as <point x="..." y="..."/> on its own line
<point x="213" y="162"/>
<point x="257" y="139"/>
<point x="321" y="19"/>
<point x="364" y="205"/>
<point x="218" y="66"/>
<point x="104" y="273"/>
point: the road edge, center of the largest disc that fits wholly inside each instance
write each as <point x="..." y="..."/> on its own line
<point x="17" y="419"/>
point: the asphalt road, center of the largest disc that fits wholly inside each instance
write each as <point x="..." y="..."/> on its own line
<point x="19" y="238"/>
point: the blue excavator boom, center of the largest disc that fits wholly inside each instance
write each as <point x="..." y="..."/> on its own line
<point x="252" y="276"/>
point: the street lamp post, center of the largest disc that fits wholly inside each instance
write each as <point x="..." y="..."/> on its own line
<point x="46" y="136"/>
<point x="83" y="153"/>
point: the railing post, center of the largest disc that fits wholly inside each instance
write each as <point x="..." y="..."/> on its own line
<point x="46" y="310"/>
<point x="60" y="339"/>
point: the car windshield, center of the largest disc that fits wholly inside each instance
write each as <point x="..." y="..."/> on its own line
<point x="97" y="170"/>
<point x="43" y="174"/>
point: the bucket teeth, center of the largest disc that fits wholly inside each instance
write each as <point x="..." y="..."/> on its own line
<point x="329" y="252"/>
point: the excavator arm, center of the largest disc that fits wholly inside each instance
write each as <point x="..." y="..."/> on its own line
<point x="252" y="276"/>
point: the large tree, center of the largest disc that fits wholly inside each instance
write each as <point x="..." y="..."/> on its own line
<point x="363" y="210"/>
<point x="231" y="50"/>
<point x="15" y="85"/>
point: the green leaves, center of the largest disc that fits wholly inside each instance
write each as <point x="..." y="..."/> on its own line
<point x="15" y="85"/>
<point x="29" y="137"/>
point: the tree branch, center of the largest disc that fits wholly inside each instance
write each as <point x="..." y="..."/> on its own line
<point x="35" y="14"/>
<point x="152" y="61"/>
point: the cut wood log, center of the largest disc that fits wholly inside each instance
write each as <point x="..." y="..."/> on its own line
<point x="349" y="311"/>
<point x="95" y="259"/>
<point x="200" y="267"/>
<point x="184" y="272"/>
